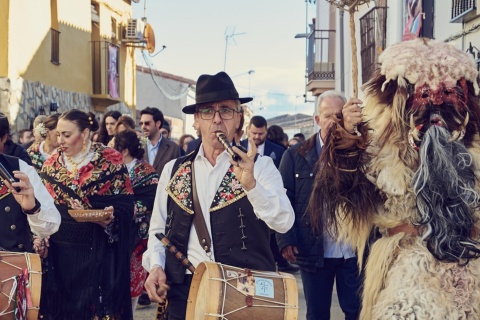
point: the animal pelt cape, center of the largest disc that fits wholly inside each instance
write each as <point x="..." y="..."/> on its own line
<point x="414" y="163"/>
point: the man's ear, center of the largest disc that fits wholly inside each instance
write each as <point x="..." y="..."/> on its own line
<point x="4" y="138"/>
<point x="158" y="124"/>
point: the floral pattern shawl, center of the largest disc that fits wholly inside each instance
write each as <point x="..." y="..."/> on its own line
<point x="180" y="187"/>
<point x="89" y="274"/>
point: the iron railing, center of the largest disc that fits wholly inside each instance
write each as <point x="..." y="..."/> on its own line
<point x="460" y="8"/>
<point x="372" y="39"/>
<point x="321" y="55"/>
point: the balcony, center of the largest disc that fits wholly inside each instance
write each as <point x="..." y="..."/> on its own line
<point x="463" y="10"/>
<point x="320" y="61"/>
<point x="105" y="74"/>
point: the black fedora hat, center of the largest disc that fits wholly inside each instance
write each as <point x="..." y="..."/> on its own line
<point x="214" y="88"/>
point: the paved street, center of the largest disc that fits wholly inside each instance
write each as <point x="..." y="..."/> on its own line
<point x="148" y="312"/>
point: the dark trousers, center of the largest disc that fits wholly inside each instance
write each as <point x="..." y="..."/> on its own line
<point x="177" y="299"/>
<point x="318" y="287"/>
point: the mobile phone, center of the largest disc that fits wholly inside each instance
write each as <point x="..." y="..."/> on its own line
<point x="8" y="176"/>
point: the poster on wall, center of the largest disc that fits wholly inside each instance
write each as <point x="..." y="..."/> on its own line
<point x="414" y="19"/>
<point x="113" y="71"/>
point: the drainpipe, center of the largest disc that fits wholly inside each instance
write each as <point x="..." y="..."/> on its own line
<point x="342" y="54"/>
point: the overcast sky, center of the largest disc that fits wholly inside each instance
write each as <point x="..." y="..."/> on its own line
<point x="261" y="37"/>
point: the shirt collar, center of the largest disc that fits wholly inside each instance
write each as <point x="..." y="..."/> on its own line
<point x="157" y="144"/>
<point x="220" y="157"/>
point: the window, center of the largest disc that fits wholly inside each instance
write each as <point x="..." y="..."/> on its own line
<point x="372" y="42"/>
<point x="55" y="49"/>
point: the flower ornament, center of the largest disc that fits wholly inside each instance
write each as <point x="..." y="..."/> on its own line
<point x="41" y="130"/>
<point x="144" y="141"/>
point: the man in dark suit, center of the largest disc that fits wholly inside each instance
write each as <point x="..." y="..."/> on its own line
<point x="323" y="261"/>
<point x="160" y="150"/>
<point x="257" y="129"/>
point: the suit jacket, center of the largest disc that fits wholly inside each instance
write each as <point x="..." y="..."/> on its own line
<point x="271" y="150"/>
<point x="298" y="172"/>
<point x="167" y="150"/>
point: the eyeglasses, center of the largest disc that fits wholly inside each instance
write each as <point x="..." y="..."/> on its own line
<point x="209" y="114"/>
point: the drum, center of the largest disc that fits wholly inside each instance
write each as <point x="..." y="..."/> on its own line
<point x="13" y="264"/>
<point x="220" y="291"/>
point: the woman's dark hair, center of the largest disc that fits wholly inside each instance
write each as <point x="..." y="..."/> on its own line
<point x="103" y="136"/>
<point x="4" y="125"/>
<point x="182" y="139"/>
<point x="51" y="121"/>
<point x="130" y="141"/>
<point x="82" y="119"/>
<point x="127" y="122"/>
<point x="276" y="135"/>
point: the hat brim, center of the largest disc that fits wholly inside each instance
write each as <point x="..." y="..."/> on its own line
<point x="190" y="109"/>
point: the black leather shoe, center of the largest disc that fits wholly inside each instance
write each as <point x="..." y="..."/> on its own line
<point x="144" y="300"/>
<point x="288" y="267"/>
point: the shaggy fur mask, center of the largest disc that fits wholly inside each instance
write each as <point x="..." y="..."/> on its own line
<point x="421" y="114"/>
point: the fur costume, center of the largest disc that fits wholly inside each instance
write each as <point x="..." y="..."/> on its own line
<point x="413" y="171"/>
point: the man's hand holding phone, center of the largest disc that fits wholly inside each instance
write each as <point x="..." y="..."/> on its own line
<point x="21" y="188"/>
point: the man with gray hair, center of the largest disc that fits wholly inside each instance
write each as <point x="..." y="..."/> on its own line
<point x="211" y="206"/>
<point x="322" y="260"/>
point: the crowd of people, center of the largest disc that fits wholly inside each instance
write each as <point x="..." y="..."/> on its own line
<point x="270" y="203"/>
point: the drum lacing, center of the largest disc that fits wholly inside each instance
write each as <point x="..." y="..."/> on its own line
<point x="11" y="296"/>
<point x="225" y="283"/>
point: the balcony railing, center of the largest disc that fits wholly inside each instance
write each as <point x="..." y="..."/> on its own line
<point x="463" y="10"/>
<point x="321" y="55"/>
<point x="105" y="72"/>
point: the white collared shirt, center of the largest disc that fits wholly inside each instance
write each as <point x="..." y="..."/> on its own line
<point x="47" y="221"/>
<point x="268" y="198"/>
<point x="260" y="148"/>
<point x="152" y="150"/>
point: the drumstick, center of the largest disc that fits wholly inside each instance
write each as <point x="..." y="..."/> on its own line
<point x="162" y="289"/>
<point x="176" y="253"/>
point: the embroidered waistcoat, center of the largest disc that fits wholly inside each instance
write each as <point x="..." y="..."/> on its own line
<point x="15" y="234"/>
<point x="239" y="238"/>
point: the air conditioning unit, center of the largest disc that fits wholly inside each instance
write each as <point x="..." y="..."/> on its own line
<point x="135" y="29"/>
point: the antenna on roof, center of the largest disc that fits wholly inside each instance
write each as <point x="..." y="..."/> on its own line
<point x="227" y="37"/>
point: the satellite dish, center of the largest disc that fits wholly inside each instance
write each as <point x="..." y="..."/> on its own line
<point x="136" y="1"/>
<point x="149" y="37"/>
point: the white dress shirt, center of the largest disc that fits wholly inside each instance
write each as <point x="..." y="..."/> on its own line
<point x="47" y="221"/>
<point x="268" y="198"/>
<point x="260" y="148"/>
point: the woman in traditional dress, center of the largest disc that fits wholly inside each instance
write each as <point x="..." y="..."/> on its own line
<point x="89" y="262"/>
<point x="144" y="182"/>
<point x="40" y="151"/>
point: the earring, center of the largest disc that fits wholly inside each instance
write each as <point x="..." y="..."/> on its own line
<point x="84" y="147"/>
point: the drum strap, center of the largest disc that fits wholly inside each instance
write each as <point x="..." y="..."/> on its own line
<point x="199" y="219"/>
